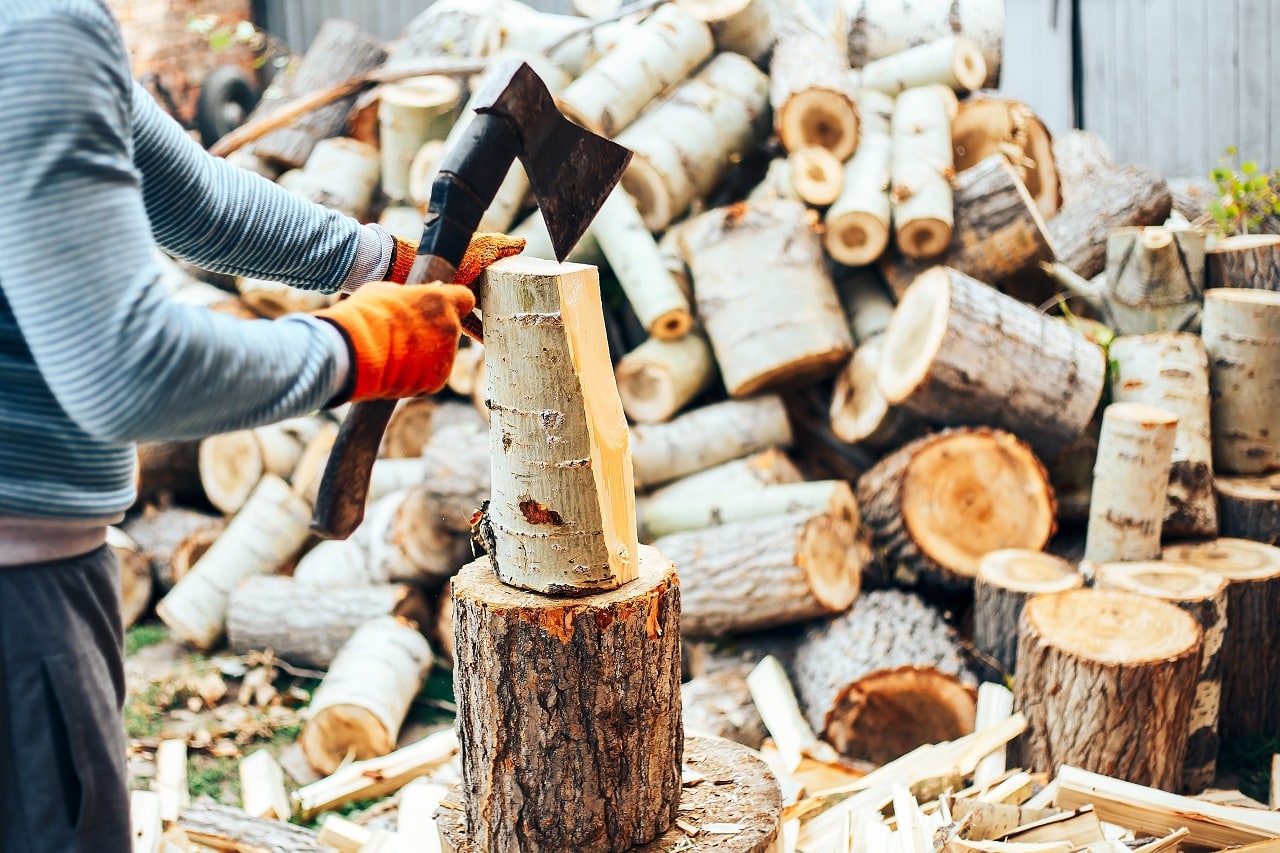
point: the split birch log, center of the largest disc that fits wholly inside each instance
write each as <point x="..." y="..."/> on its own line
<point x="1204" y="597"/>
<point x="997" y="232"/>
<point x="859" y="412"/>
<point x="1241" y="331"/>
<point x="410" y="114"/>
<point x="1130" y="483"/>
<point x="633" y="255"/>
<point x="874" y="29"/>
<point x="1006" y="580"/>
<point x="262" y="788"/>
<point x="340" y="51"/>
<point x="232" y="463"/>
<point x="1155" y="280"/>
<point x="685" y="143"/>
<point x="1132" y="195"/>
<point x="953" y="61"/>
<point x="1247" y="260"/>
<point x="562" y="516"/>
<point x="663" y="50"/>
<point x="269" y="530"/>
<point x="1249" y="508"/>
<point x="1171" y="370"/>
<point x="720" y="704"/>
<point x="1086" y="659"/>
<point x="921" y="171"/>
<point x="160" y="531"/>
<point x="308" y="626"/>
<point x="674" y="513"/>
<point x="811" y="92"/>
<point x="737" y="26"/>
<point x="599" y="769"/>
<point x="1079" y="157"/>
<point x="229" y="828"/>
<point x="167" y="472"/>
<point x="1250" y="701"/>
<point x="706" y="437"/>
<point x="857" y="224"/>
<point x="341" y="173"/>
<point x="883" y="678"/>
<point x="789" y="331"/>
<point x="658" y="378"/>
<point x="958" y="351"/>
<point x="938" y="505"/>
<point x="984" y="126"/>
<point x="136" y="584"/>
<point x="781" y="570"/>
<point x="357" y="710"/>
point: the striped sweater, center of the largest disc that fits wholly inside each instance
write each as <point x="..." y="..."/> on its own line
<point x="93" y="356"/>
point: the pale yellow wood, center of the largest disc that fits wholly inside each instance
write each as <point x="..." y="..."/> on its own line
<point x="262" y="789"/>
<point x="776" y="700"/>
<point x="411" y="113"/>
<point x="922" y="170"/>
<point x="343" y="835"/>
<point x="995" y="704"/>
<point x="144" y="814"/>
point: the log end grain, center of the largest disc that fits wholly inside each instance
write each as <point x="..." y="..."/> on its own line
<point x="819" y="117"/>
<point x="817" y="175"/>
<point x="924" y="238"/>
<point x="856" y="238"/>
<point x="1111" y="628"/>
<point x="1234" y="559"/>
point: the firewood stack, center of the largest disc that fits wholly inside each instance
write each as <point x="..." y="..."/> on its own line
<point x="882" y="342"/>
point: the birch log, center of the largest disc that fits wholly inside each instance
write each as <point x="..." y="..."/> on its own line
<point x="658" y="378"/>
<point x="684" y="144"/>
<point x="1155" y="279"/>
<point x="231" y="464"/>
<point x="1079" y="157"/>
<point x="159" y="531"/>
<point x="1132" y="195"/>
<point x="1247" y="260"/>
<point x="1006" y="580"/>
<point x="954" y="61"/>
<point x="412" y="113"/>
<point x="358" y="709"/>
<point x="136" y="583"/>
<point x="1249" y="507"/>
<point x="810" y="90"/>
<point x="817" y="175"/>
<point x="860" y="414"/>
<point x="786" y="331"/>
<point x="984" y="126"/>
<point x="921" y="171"/>
<point x="883" y="678"/>
<point x="938" y="505"/>
<point x="1086" y="659"/>
<point x="222" y="827"/>
<point x="874" y="29"/>
<point x="1204" y="597"/>
<point x="1171" y="370"/>
<point x="857" y="224"/>
<point x="737" y="26"/>
<point x="720" y="704"/>
<point x="866" y="303"/>
<point x="957" y="351"/>
<point x="1241" y="331"/>
<point x="667" y="514"/>
<point x="341" y="173"/>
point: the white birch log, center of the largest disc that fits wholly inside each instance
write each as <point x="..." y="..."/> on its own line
<point x="411" y="113"/>
<point x="1155" y="279"/>
<point x="1241" y="331"/>
<point x="1171" y="370"/>
<point x="232" y="463"/>
<point x="921" y="170"/>
<point x="360" y="705"/>
<point x="686" y="142"/>
<point x="667" y="515"/>
<point x="816" y="174"/>
<point x="810" y="87"/>
<point x="1130" y="483"/>
<point x="874" y="29"/>
<point x="954" y="61"/>
<point x="787" y="330"/>
<point x="776" y="183"/>
<point x="866" y="303"/>
<point x="422" y="171"/>
<point x="663" y="50"/>
<point x="860" y="414"/>
<point x="657" y="378"/>
<point x="402" y="221"/>
<point x="271" y="299"/>
<point x="737" y="26"/>
<point x="341" y="173"/>
<point x="857" y="224"/>
<point x="268" y="531"/>
<point x="672" y="249"/>
<point x="958" y="351"/>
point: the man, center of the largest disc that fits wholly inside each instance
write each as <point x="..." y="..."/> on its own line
<point x="94" y="357"/>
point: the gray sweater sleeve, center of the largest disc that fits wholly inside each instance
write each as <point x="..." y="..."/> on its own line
<point x="123" y="361"/>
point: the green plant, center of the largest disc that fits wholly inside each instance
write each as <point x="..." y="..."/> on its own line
<point x="142" y="635"/>
<point x="1246" y="194"/>
<point x="222" y="34"/>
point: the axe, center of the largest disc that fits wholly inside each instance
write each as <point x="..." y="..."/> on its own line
<point x="571" y="172"/>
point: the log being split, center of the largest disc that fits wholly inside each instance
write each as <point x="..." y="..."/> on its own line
<point x="657" y="378"/>
<point x="1006" y="580"/>
<point x="938" y="505"/>
<point x="789" y="329"/>
<point x="953" y="61"/>
<point x="562" y="516"/>
<point x="874" y="29"/>
<point x="1133" y="195"/>
<point x="1247" y="260"/>
<point x="921" y="170"/>
<point x="1250" y="701"/>
<point x="957" y="351"/>
<point x="1086" y="659"/>
<point x="1155" y="279"/>
<point x="883" y="678"/>
<point x="780" y="570"/>
<point x="720" y="704"/>
<point x="1241" y="331"/>
<point x="986" y="126"/>
<point x="411" y="113"/>
<point x="857" y="223"/>
<point x="1130" y="482"/>
<point x="685" y="143"/>
<point x="358" y="708"/>
<point x="598" y="769"/>
<point x="1171" y="370"/>
<point x="1204" y="597"/>
<point x="1249" y="507"/>
<point x="811" y="91"/>
<point x="737" y="26"/>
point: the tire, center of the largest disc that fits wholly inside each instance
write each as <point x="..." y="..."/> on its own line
<point x="226" y="99"/>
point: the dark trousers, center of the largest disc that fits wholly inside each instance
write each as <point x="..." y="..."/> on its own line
<point x="62" y="745"/>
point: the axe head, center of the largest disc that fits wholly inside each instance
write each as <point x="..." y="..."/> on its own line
<point x="571" y="170"/>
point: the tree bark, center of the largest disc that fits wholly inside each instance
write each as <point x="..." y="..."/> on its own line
<point x="1251" y="260"/>
<point x="229" y="828"/>
<point x="720" y="704"/>
<point x="1086" y="659"/>
<point x="1080" y="158"/>
<point x="957" y="351"/>
<point x="159" y="533"/>
<point x="1006" y="580"/>
<point x="788" y="330"/>
<point x="1249" y="508"/>
<point x="1132" y="195"/>
<point x="883" y="678"/>
<point x="135" y="576"/>
<point x="598" y="769"/>
<point x="921" y="171"/>
<point x="985" y="125"/>
<point x="874" y="29"/>
<point x="938" y="505"/>
<point x="658" y="378"/>
<point x="954" y="61"/>
<point x="857" y="224"/>
<point x="737" y="26"/>
<point x="812" y="95"/>
<point x="1155" y="279"/>
<point x="1241" y="331"/>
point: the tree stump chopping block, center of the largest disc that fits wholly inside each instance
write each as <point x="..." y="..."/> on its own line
<point x="568" y="711"/>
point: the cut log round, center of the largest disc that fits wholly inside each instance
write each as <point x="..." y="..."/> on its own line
<point x="1241" y="331"/>
<point x="422" y="172"/>
<point x="953" y="61"/>
<point x="921" y="171"/>
<point x="874" y="29"/>
<point x="657" y="378"/>
<point x="985" y="126"/>
<point x="817" y="175"/>
<point x="159" y="533"/>
<point x="1250" y="702"/>
<point x="1247" y="260"/>
<point x="685" y="143"/>
<point x="135" y="575"/>
<point x="1249" y="507"/>
<point x="190" y="550"/>
<point x="957" y="351"/>
<point x="810" y="89"/>
<point x="859" y="412"/>
<point x="308" y="626"/>
<point x="232" y="463"/>
<point x="358" y="708"/>
<point x="1132" y="195"/>
<point x="789" y="329"/>
<point x="410" y="114"/>
<point x="857" y="224"/>
<point x="1204" y="597"/>
<point x="667" y="514"/>
<point x="1171" y="370"/>
<point x="884" y="678"/>
<point x="1086" y="659"/>
<point x="1006" y="580"/>
<point x="773" y="571"/>
<point x="938" y="505"/>
<point x="720" y="704"/>
<point x="737" y="26"/>
<point x="599" y="769"/>
<point x="167" y="472"/>
<point x="1155" y="279"/>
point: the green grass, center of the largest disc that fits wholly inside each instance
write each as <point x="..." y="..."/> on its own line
<point x="142" y="712"/>
<point x="217" y="778"/>
<point x="1249" y="759"/>
<point x="142" y="635"/>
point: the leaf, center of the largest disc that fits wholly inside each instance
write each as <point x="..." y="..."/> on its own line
<point x="1249" y="167"/>
<point x="219" y="40"/>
